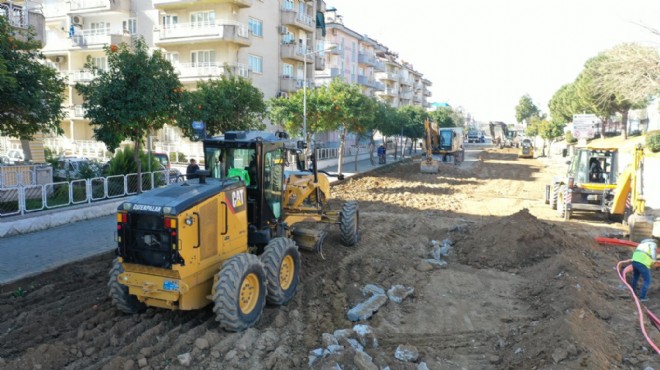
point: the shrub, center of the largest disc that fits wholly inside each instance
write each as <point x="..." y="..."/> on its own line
<point x="569" y="137"/>
<point x="123" y="163"/>
<point x="653" y="141"/>
<point x="178" y="157"/>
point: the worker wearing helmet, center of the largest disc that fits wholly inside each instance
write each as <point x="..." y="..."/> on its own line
<point x="643" y="257"/>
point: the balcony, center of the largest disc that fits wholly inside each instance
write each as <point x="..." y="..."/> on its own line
<point x="55" y="10"/>
<point x="293" y="18"/>
<point x="406" y="81"/>
<point x="367" y="59"/>
<point x="195" y="71"/>
<point x="78" y="112"/>
<point x="289" y="84"/>
<point x="370" y="82"/>
<point x="390" y="76"/>
<point x="98" y="6"/>
<point x="81" y="76"/>
<point x="406" y="95"/>
<point x="186" y="33"/>
<point x="295" y="52"/>
<point x="427" y="93"/>
<point x="182" y="3"/>
<point x="379" y="66"/>
<point x="96" y="39"/>
<point x="24" y="16"/>
<point x="319" y="63"/>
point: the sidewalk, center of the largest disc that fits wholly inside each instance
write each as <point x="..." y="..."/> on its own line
<point x="42" y="242"/>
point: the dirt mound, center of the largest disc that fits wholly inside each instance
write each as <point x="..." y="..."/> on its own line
<point x="511" y="242"/>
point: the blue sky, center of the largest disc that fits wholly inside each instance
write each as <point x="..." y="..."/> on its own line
<point x="484" y="55"/>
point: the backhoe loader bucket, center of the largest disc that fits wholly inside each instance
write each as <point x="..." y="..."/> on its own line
<point x="429" y="166"/>
<point x="641" y="227"/>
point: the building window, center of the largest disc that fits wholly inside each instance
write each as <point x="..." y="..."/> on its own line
<point x="256" y="27"/>
<point x="202" y="19"/>
<point x="202" y="58"/>
<point x="256" y="64"/>
<point x="170" y="21"/>
<point x="130" y="26"/>
<point x="99" y="28"/>
<point x="287" y="70"/>
<point x="172" y="58"/>
<point x="288" y="5"/>
<point x="100" y="63"/>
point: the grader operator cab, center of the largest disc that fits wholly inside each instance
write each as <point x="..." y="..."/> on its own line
<point x="227" y="237"/>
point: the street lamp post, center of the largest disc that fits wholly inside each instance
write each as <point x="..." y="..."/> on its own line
<point x="305" y="88"/>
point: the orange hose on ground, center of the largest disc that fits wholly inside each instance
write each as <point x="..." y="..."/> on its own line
<point x="622" y="276"/>
<point x="615" y="241"/>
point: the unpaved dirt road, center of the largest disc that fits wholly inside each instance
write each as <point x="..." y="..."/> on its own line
<point x="520" y="290"/>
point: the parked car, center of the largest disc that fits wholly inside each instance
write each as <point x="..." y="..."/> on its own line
<point x="75" y="168"/>
<point x="164" y="160"/>
<point x="16" y="155"/>
<point x="5" y="160"/>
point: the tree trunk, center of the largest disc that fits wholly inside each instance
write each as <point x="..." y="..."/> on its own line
<point x="138" y="163"/>
<point x="357" y="151"/>
<point x="624" y="124"/>
<point x="396" y="147"/>
<point x="602" y="127"/>
<point x="340" y="157"/>
<point x="372" y="146"/>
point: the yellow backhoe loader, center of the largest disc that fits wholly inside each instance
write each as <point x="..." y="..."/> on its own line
<point x="228" y="238"/>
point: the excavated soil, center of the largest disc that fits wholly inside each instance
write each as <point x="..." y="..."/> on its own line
<point x="520" y="289"/>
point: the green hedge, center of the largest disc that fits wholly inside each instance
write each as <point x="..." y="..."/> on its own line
<point x="653" y="141"/>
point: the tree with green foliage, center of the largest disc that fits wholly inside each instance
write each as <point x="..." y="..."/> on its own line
<point x="526" y="109"/>
<point x="412" y="127"/>
<point x="443" y="116"/>
<point x="547" y="130"/>
<point x="31" y="93"/>
<point x="565" y="103"/>
<point x="343" y="107"/>
<point x="139" y="93"/>
<point x="619" y="79"/>
<point x="226" y="104"/>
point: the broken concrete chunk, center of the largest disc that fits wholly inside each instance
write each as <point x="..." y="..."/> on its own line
<point x="436" y="263"/>
<point x="184" y="359"/>
<point x="328" y="340"/>
<point x="370" y="289"/>
<point x="397" y="293"/>
<point x="364" y="361"/>
<point x="366" y="336"/>
<point x="355" y="344"/>
<point x="364" y="310"/>
<point x="314" y="355"/>
<point x="406" y="352"/>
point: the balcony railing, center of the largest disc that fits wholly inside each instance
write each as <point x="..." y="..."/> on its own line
<point x="81" y="76"/>
<point x="79" y="6"/>
<point x="98" y="37"/>
<point x="210" y="69"/>
<point x="55" y="10"/>
<point x="227" y="29"/>
<point x="79" y="111"/>
<point x="238" y="3"/>
<point x="16" y="16"/>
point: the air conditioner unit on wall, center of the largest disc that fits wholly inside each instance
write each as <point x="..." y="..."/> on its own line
<point x="282" y="94"/>
<point x="77" y="20"/>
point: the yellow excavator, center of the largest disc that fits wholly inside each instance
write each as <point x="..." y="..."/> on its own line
<point x="429" y="165"/>
<point x="229" y="237"/>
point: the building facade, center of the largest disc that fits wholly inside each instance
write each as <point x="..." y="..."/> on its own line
<point x="278" y="45"/>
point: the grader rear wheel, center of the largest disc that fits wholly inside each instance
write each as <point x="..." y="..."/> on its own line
<point x="240" y="292"/>
<point x="281" y="261"/>
<point x="118" y="293"/>
<point x="349" y="224"/>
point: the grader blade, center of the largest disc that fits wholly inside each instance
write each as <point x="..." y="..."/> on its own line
<point x="307" y="239"/>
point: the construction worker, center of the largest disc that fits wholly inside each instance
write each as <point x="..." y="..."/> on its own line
<point x="643" y="257"/>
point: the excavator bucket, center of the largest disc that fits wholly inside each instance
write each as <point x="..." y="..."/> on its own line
<point x="429" y="166"/>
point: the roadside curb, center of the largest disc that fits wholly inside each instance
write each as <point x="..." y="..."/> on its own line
<point x="48" y="219"/>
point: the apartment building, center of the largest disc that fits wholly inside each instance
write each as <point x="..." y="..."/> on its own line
<point x="378" y="71"/>
<point x="269" y="42"/>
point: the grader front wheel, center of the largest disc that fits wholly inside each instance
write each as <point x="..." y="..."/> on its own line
<point x="240" y="292"/>
<point x="349" y="225"/>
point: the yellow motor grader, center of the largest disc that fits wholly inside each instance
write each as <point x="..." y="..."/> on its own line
<point x="227" y="237"/>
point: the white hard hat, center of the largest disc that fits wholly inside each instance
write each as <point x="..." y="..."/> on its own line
<point x="652" y="244"/>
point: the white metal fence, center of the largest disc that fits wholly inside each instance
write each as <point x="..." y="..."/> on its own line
<point x="22" y="199"/>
